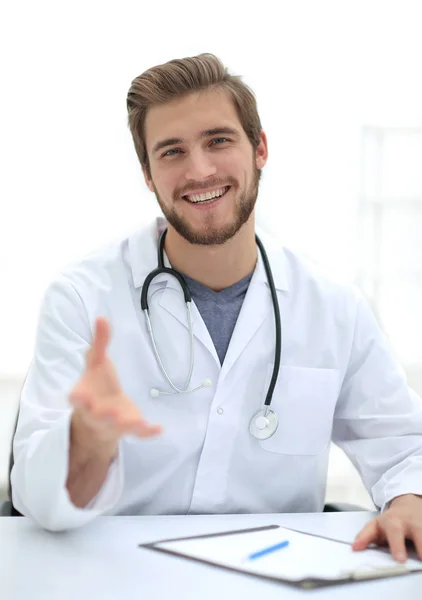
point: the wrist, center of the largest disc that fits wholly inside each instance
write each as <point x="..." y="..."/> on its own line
<point x="403" y="498"/>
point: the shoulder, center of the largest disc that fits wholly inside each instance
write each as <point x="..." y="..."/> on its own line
<point x="308" y="280"/>
<point x="94" y="269"/>
<point x="107" y="269"/>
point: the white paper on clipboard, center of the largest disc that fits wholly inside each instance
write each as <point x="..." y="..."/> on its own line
<point x="307" y="557"/>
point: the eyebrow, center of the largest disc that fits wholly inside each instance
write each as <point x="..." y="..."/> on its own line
<point x="207" y="133"/>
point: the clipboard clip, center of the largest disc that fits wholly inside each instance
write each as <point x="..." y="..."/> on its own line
<point x="374" y="572"/>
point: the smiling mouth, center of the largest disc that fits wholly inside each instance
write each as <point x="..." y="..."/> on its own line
<point x="207" y="198"/>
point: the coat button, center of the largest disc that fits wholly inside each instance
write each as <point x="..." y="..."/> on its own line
<point x="220" y="410"/>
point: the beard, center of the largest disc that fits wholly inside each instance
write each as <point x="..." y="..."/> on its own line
<point x="210" y="234"/>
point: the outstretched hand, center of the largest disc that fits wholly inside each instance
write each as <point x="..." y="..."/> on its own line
<point x="99" y="398"/>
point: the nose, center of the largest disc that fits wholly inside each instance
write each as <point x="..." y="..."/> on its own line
<point x="199" y="166"/>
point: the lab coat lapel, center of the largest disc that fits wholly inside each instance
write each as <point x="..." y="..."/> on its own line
<point x="142" y="255"/>
<point x="177" y="308"/>
<point x="257" y="306"/>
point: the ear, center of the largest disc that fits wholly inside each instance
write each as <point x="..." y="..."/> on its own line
<point x="148" y="180"/>
<point x="261" y="153"/>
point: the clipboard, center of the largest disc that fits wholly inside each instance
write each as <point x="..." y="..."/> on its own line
<point x="222" y="550"/>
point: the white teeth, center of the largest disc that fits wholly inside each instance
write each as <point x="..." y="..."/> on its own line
<point x="207" y="196"/>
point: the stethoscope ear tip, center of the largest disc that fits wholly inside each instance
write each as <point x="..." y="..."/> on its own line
<point x="154" y="393"/>
<point x="207" y="383"/>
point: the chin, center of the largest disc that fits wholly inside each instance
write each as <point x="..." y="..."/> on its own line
<point x="209" y="236"/>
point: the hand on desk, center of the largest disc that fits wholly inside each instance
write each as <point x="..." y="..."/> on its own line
<point x="401" y="521"/>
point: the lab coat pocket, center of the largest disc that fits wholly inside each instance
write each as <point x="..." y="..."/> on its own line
<point x="304" y="400"/>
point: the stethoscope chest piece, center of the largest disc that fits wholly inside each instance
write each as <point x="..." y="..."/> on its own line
<point x="263" y="424"/>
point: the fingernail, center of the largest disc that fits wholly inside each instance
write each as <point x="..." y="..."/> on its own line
<point x="401" y="556"/>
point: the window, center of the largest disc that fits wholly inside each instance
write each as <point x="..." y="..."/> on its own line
<point x="390" y="238"/>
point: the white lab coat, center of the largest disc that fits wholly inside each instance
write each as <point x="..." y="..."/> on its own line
<point x="338" y="381"/>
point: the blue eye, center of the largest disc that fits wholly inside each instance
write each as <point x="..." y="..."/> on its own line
<point x="175" y="151"/>
<point x="171" y="150"/>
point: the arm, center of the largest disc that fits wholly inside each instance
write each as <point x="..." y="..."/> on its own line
<point x="41" y="442"/>
<point x="378" y="423"/>
<point x="89" y="462"/>
<point x="378" y="418"/>
<point x="67" y="459"/>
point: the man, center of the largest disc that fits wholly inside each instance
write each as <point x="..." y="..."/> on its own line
<point x="85" y="443"/>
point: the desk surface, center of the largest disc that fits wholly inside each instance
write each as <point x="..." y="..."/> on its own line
<point x="102" y="560"/>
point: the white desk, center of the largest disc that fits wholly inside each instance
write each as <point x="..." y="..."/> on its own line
<point x="102" y="560"/>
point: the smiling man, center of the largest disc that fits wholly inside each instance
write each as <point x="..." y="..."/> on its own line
<point x="205" y="179"/>
<point x="223" y="173"/>
<point x="246" y="406"/>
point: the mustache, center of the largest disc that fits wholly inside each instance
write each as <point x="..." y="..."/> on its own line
<point x="214" y="183"/>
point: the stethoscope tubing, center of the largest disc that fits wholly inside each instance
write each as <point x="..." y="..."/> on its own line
<point x="188" y="299"/>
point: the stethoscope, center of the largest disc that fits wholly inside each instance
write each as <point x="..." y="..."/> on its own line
<point x="265" y="422"/>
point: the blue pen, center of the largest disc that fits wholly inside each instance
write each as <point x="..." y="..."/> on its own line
<point x="268" y="550"/>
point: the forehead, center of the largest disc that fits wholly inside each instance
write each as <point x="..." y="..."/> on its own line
<point x="186" y="116"/>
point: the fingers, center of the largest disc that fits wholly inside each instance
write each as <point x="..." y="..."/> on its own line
<point x="144" y="430"/>
<point x="395" y="534"/>
<point x="97" y="351"/>
<point x="112" y="421"/>
<point x="390" y="530"/>
<point x="415" y="534"/>
<point x="126" y="423"/>
<point x="368" y="535"/>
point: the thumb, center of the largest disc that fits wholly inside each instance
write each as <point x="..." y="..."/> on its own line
<point x="96" y="353"/>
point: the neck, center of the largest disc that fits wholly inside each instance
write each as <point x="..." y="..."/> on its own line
<point x="217" y="267"/>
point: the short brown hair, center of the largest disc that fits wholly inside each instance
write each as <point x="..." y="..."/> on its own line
<point x="180" y="77"/>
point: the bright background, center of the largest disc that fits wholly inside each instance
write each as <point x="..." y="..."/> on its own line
<point x="329" y="77"/>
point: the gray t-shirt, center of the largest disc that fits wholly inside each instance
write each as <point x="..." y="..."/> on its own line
<point x="219" y="309"/>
